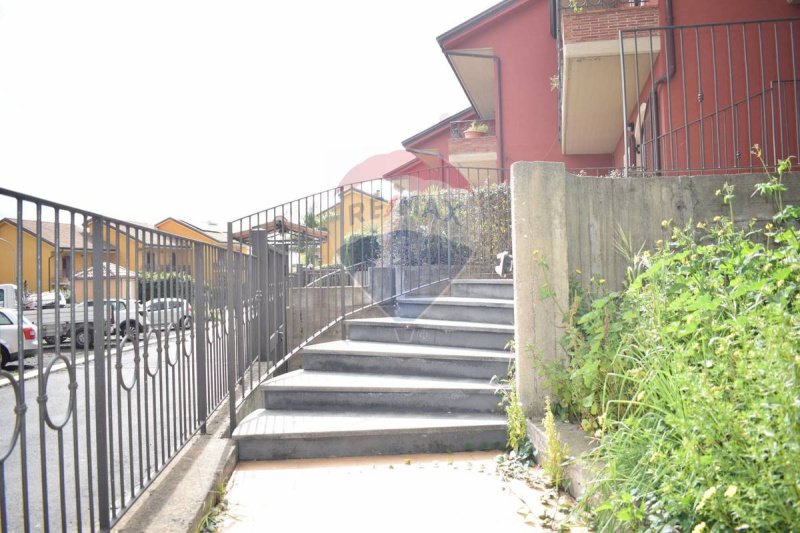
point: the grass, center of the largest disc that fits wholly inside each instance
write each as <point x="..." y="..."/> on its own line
<point x="690" y="380"/>
<point x="215" y="512"/>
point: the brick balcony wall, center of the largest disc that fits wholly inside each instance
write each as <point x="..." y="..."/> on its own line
<point x="475" y="145"/>
<point x="604" y="24"/>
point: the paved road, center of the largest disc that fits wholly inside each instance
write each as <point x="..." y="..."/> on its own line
<point x="149" y="407"/>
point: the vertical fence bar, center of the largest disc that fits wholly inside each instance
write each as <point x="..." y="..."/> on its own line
<point x="231" y="328"/>
<point x="101" y="437"/>
<point x="200" y="335"/>
<point x="342" y="272"/>
<point x="626" y="137"/>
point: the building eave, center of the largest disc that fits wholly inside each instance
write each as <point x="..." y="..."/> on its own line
<point x="476" y="22"/>
<point x="436" y="128"/>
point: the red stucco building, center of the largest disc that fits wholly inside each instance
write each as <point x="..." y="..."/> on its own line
<point x="658" y="86"/>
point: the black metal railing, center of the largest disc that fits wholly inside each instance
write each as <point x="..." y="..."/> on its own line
<point x="105" y="382"/>
<point x="362" y="245"/>
<point x="151" y="332"/>
<point x="579" y="6"/>
<point x="710" y="94"/>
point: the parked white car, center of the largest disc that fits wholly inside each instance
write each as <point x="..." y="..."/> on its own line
<point x="167" y="313"/>
<point x="9" y="340"/>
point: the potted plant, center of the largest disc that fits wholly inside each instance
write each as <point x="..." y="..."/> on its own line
<point x="476" y="129"/>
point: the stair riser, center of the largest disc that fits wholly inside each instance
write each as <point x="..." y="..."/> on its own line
<point x="487" y="314"/>
<point x="480" y="290"/>
<point x="371" y="401"/>
<point x="428" y="336"/>
<point x="262" y="449"/>
<point x="408" y="366"/>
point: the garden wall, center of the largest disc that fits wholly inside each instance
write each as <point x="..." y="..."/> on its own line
<point x="563" y="224"/>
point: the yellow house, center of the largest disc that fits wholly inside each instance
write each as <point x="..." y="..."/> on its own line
<point x="364" y="213"/>
<point x="131" y="248"/>
<point x="70" y="257"/>
<point x="141" y="249"/>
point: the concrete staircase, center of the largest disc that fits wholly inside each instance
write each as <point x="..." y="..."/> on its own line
<point x="415" y="383"/>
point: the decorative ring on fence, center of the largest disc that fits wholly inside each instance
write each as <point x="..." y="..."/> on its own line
<point x="72" y="386"/>
<point x="19" y="412"/>
<point x="146" y="354"/>
<point x="190" y="351"/>
<point x="171" y="363"/>
<point x="132" y="336"/>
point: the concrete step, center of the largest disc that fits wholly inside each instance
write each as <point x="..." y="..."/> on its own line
<point x="490" y="310"/>
<point x="431" y="332"/>
<point x="406" y="359"/>
<point x="309" y="390"/>
<point x="278" y="434"/>
<point x="502" y="289"/>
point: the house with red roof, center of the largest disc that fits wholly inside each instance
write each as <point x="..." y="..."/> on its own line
<point x="657" y="86"/>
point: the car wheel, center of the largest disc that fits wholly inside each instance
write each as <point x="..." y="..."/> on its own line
<point x="84" y="338"/>
<point x="5" y="358"/>
<point x="187" y="322"/>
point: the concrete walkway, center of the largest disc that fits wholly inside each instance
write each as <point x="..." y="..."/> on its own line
<point x="416" y="493"/>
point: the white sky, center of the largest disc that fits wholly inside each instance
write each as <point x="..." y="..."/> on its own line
<point x="212" y="110"/>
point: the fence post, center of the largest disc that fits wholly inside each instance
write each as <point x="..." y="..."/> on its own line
<point x="626" y="137"/>
<point x="231" y="330"/>
<point x="200" y="334"/>
<point x="261" y="251"/>
<point x="341" y="254"/>
<point x="100" y="414"/>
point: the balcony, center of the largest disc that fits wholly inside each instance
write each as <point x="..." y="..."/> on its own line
<point x="590" y="58"/>
<point x="473" y="143"/>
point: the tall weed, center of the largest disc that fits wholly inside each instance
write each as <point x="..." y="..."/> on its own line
<point x="691" y="377"/>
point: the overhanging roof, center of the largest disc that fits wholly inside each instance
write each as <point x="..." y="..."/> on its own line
<point x="475" y="67"/>
<point x="474" y="22"/>
<point x="475" y="70"/>
<point x="444" y="123"/>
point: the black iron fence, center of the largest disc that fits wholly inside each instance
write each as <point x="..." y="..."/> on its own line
<point x="703" y="95"/>
<point x="579" y="6"/>
<point x="108" y="374"/>
<point x="358" y="246"/>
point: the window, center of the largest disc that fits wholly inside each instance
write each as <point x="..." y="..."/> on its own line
<point x="66" y="265"/>
<point x="5" y="321"/>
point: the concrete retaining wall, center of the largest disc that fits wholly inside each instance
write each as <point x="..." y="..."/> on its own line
<point x="562" y="224"/>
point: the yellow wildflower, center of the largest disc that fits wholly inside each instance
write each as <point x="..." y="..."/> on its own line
<point x="706" y="495"/>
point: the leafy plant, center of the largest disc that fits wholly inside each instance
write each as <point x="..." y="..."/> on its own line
<point x="480" y="127"/>
<point x="362" y="250"/>
<point x="557" y="454"/>
<point x="214" y="513"/>
<point x="575" y="6"/>
<point x="517" y="424"/>
<point x="689" y="377"/>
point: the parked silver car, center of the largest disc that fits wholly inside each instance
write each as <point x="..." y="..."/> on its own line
<point x="167" y="313"/>
<point x="9" y="339"/>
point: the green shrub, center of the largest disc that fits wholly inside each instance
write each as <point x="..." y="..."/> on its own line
<point x="362" y="250"/>
<point x="691" y="376"/>
<point x="165" y="284"/>
<point x="415" y="248"/>
<point x="476" y="221"/>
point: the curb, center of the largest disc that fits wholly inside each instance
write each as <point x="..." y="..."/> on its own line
<point x="186" y="489"/>
<point x="580" y="471"/>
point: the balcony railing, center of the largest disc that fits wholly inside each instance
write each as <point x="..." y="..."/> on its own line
<point x="716" y="90"/>
<point x="463" y="129"/>
<point x="578" y="6"/>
